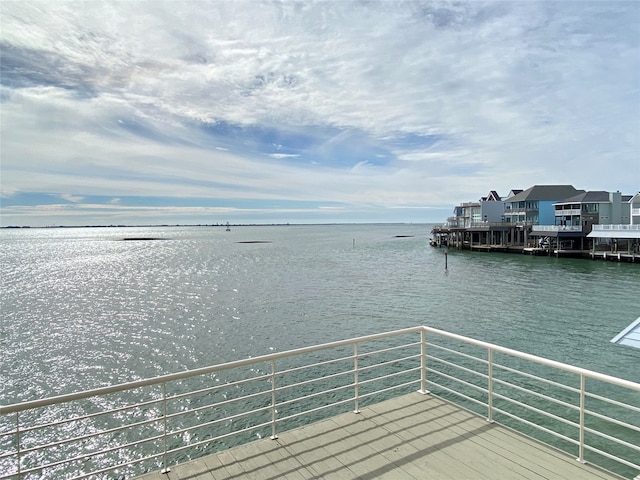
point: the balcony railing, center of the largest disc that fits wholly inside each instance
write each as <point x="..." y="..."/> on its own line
<point x="129" y="429"/>
<point x="557" y="228"/>
<point x="616" y="227"/>
<point x="568" y="212"/>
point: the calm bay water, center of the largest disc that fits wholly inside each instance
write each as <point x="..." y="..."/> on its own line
<point x="81" y="308"/>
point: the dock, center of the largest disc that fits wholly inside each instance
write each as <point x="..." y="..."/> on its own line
<point x="413" y="436"/>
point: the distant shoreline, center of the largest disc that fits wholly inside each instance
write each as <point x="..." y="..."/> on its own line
<point x="210" y="225"/>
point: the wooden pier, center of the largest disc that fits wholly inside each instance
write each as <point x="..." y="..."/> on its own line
<point x="411" y="437"/>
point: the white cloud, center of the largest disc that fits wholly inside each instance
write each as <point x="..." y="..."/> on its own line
<point x="72" y="198"/>
<point x="283" y="155"/>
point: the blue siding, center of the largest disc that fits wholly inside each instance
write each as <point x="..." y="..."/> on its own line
<point x="546" y="212"/>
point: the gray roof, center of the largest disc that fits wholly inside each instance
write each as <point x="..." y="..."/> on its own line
<point x="595" y="196"/>
<point x="546" y="192"/>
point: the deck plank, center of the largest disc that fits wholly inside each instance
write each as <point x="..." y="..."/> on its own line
<point x="411" y="437"/>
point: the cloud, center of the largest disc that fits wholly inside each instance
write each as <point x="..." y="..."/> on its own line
<point x="283" y="155"/>
<point x="357" y="103"/>
<point x="72" y="198"/>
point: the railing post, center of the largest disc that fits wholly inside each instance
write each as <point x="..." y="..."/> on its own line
<point x="490" y="385"/>
<point x="165" y="467"/>
<point x="18" y="453"/>
<point x="582" y="406"/>
<point x="423" y="362"/>
<point x="355" y="376"/>
<point x="274" y="412"/>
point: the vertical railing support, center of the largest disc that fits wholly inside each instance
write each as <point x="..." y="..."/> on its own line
<point x="18" y="452"/>
<point x="423" y="362"/>
<point x="355" y="378"/>
<point x="274" y="411"/>
<point x="165" y="466"/>
<point x="582" y="407"/>
<point x="490" y="384"/>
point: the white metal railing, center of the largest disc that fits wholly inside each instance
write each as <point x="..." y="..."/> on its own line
<point x="568" y="212"/>
<point x="146" y="425"/>
<point x="557" y="228"/>
<point x="615" y="227"/>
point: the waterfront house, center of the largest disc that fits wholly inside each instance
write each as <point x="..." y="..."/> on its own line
<point x="622" y="236"/>
<point x="576" y="216"/>
<point x="635" y="209"/>
<point x="532" y="207"/>
<point x="535" y="205"/>
<point x="593" y="208"/>
<point x="472" y="218"/>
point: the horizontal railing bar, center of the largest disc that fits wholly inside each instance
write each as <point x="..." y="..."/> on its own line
<point x="459" y="367"/>
<point x="537" y="410"/>
<point x="458" y="380"/>
<point x="347" y="358"/>
<point x="612" y="420"/>
<point x="536" y="377"/>
<point x="536" y="394"/>
<point x="388" y="375"/>
<point x="12" y="453"/>
<point x="214" y="388"/>
<point x="539" y="360"/>
<point x="24" y="451"/>
<point x="390" y="362"/>
<point x="235" y="383"/>
<point x="84" y="417"/>
<point x="313" y="380"/>
<point x="388" y="389"/>
<point x="18" y="407"/>
<point x="291" y="401"/>
<point x="456" y="353"/>
<point x="280" y="373"/>
<point x="612" y="457"/>
<point x="92" y="454"/>
<point x="458" y="394"/>
<point x="385" y="350"/>
<point x="220" y="420"/>
<point x="317" y="409"/>
<point x="219" y="437"/>
<point x="218" y="404"/>
<point x="536" y="426"/>
<point x="613" y="402"/>
<point x="613" y="439"/>
<point x="115" y="467"/>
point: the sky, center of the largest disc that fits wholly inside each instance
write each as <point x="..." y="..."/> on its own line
<point x="205" y="112"/>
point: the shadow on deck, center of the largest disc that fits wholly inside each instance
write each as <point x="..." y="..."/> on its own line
<point x="411" y="437"/>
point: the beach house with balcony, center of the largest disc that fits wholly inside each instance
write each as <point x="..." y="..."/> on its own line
<point x="620" y="237"/>
<point x="635" y="209"/>
<point x="472" y="214"/>
<point x="575" y="217"/>
<point x="593" y="208"/>
<point x="532" y="207"/>
<point x="535" y="205"/>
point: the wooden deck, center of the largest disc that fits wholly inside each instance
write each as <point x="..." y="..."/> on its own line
<point x="412" y="437"/>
